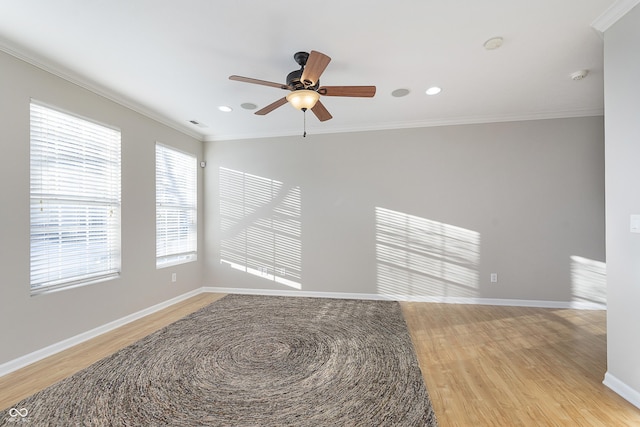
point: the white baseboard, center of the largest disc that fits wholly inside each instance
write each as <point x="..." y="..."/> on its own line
<point x="287" y="293"/>
<point x="630" y="394"/>
<point x="37" y="355"/>
<point x="412" y="298"/>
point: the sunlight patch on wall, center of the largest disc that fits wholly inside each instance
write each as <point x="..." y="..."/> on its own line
<point x="418" y="256"/>
<point x="588" y="280"/>
<point x="261" y="226"/>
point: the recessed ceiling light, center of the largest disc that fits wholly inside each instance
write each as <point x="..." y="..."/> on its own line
<point x="493" y="43"/>
<point x="433" y="90"/>
<point x="399" y="93"/>
<point x="249" y="106"/>
<point x="225" y="108"/>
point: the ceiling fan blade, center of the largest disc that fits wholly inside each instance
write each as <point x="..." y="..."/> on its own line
<point x="316" y="63"/>
<point x="269" y="108"/>
<point x="321" y="112"/>
<point x="259" y="82"/>
<point x="355" y="91"/>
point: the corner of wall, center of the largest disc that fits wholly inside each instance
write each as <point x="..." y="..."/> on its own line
<point x="628" y="393"/>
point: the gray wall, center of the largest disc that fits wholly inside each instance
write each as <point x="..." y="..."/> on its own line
<point x="30" y="323"/>
<point x="416" y="213"/>
<point x="429" y="212"/>
<point x="622" y="106"/>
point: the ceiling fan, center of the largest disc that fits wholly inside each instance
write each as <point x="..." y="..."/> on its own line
<point x="305" y="88"/>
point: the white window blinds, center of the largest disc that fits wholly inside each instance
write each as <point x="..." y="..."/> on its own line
<point x="176" y="206"/>
<point x="75" y="200"/>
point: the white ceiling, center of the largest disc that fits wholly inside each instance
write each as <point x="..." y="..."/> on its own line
<point x="171" y="59"/>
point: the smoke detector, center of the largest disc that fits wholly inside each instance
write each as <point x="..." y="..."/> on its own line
<point x="579" y="75"/>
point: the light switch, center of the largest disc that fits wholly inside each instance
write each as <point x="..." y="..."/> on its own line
<point x="635" y="224"/>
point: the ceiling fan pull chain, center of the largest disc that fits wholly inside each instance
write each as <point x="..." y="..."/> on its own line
<point x="304" y="121"/>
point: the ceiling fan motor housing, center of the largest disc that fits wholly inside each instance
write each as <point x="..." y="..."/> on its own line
<point x="293" y="80"/>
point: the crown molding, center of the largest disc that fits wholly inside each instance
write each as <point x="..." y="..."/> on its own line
<point x="70" y="76"/>
<point x="618" y="9"/>
<point x="610" y="16"/>
<point x="453" y="121"/>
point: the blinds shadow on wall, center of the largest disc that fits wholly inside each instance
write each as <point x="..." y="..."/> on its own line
<point x="261" y="226"/>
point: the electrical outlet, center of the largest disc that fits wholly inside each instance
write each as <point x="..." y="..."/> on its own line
<point x="635" y="224"/>
<point x="174" y="277"/>
<point x="494" y="277"/>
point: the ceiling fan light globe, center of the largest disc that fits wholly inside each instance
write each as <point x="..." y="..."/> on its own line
<point x="300" y="99"/>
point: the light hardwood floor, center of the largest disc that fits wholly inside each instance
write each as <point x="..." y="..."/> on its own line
<point x="515" y="366"/>
<point x="483" y="365"/>
<point x="24" y="382"/>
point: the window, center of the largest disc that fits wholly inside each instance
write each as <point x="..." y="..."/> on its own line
<point x="75" y="200"/>
<point x="176" y="207"/>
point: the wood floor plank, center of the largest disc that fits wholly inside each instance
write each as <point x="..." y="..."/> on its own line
<point x="483" y="365"/>
<point x="515" y="366"/>
<point x="24" y="382"/>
